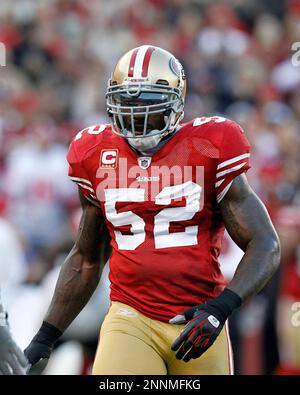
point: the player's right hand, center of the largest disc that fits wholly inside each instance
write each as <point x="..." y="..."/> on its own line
<point x="37" y="351"/>
<point x="42" y="344"/>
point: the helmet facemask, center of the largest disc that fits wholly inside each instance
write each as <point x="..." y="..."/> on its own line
<point x="132" y="106"/>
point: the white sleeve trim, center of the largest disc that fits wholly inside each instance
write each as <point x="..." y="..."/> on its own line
<point x="86" y="187"/>
<point x="218" y="183"/>
<point x="92" y="194"/>
<point x="223" y="193"/>
<point x="237" y="167"/>
<point x="94" y="202"/>
<point x="76" y="179"/>
<point x="233" y="160"/>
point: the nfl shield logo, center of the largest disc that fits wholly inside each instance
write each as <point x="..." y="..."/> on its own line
<point x="144" y="162"/>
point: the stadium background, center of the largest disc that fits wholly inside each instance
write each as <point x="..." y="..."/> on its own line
<point x="59" y="55"/>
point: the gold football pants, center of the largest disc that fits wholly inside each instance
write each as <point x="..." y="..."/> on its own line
<point x="131" y="343"/>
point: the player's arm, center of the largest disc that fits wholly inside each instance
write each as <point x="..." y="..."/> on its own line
<point x="249" y="225"/>
<point x="12" y="360"/>
<point x="78" y="279"/>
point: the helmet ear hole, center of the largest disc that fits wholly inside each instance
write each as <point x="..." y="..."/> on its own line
<point x="162" y="82"/>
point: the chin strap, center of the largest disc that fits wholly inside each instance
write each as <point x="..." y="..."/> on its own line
<point x="173" y="125"/>
<point x="144" y="143"/>
<point x="161" y="143"/>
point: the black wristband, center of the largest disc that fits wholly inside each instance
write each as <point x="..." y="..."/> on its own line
<point x="47" y="334"/>
<point x="224" y="304"/>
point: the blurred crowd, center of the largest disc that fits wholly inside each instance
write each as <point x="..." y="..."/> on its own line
<point x="59" y="55"/>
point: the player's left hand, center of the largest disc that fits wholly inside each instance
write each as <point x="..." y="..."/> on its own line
<point x="199" y="334"/>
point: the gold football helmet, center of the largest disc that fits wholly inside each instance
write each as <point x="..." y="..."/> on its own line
<point x="147" y="82"/>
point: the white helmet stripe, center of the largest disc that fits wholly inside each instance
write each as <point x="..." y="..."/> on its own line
<point x="138" y="66"/>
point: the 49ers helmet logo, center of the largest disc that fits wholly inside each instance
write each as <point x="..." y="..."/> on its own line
<point x="108" y="158"/>
<point x="177" y="68"/>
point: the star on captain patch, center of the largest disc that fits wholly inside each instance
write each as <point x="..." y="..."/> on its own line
<point x="144" y="162"/>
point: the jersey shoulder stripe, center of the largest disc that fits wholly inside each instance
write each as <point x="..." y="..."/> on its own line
<point x="86" y="140"/>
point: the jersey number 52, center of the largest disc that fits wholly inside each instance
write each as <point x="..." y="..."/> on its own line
<point x="162" y="237"/>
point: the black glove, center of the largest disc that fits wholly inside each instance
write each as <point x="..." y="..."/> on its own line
<point x="205" y="323"/>
<point x="42" y="344"/>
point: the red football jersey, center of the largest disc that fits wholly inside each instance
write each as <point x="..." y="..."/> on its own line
<point x="162" y="211"/>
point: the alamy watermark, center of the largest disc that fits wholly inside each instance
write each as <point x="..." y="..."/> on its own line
<point x="2" y="55"/>
<point x="295" y="320"/>
<point x="296" y="56"/>
<point x="161" y="184"/>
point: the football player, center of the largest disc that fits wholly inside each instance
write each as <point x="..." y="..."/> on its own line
<point x="12" y="360"/>
<point x="165" y="190"/>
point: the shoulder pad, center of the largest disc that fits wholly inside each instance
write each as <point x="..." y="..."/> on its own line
<point x="86" y="139"/>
